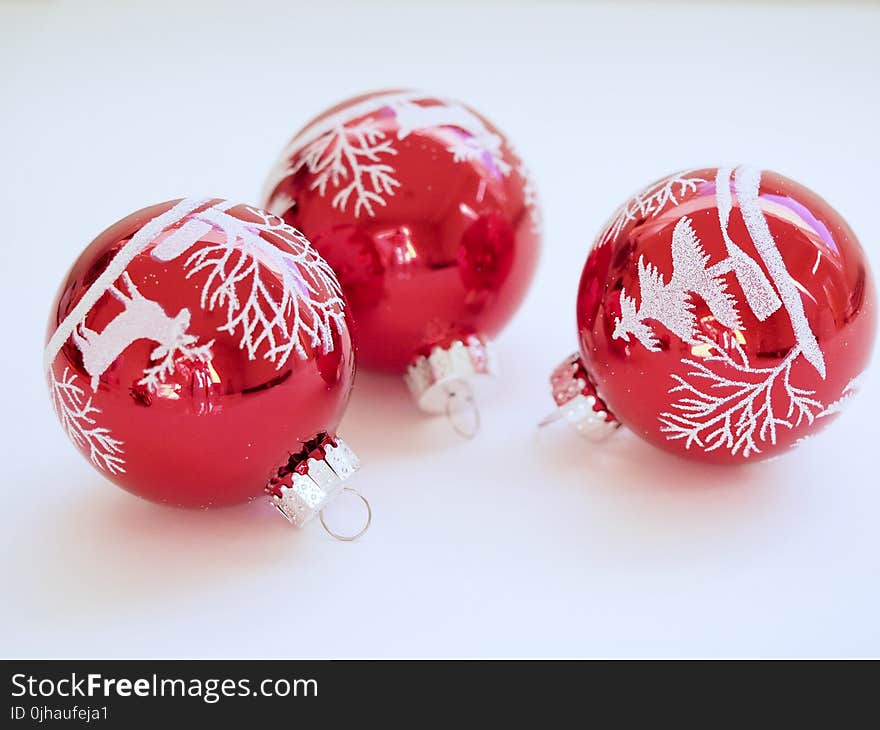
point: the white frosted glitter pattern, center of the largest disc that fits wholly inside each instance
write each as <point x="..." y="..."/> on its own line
<point x="725" y="401"/>
<point x="747" y="181"/>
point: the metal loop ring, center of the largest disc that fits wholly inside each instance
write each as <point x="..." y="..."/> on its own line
<point x="349" y="538"/>
<point x="462" y="393"/>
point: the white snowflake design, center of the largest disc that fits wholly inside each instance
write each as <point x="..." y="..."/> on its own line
<point x="77" y="416"/>
<point x="298" y="307"/>
<point x="354" y="158"/>
<point x="724" y="401"/>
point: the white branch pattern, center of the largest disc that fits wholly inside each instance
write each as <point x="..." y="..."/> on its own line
<point x="650" y="202"/>
<point x="353" y="154"/>
<point x="166" y="354"/>
<point x="77" y="416"/>
<point x="305" y="310"/>
<point x="353" y="158"/>
<point x="734" y="410"/>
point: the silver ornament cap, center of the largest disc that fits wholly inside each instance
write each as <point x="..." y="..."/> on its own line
<point x="579" y="403"/>
<point x="312" y="478"/>
<point x="434" y="377"/>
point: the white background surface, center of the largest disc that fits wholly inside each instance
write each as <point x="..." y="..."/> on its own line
<point x="517" y="543"/>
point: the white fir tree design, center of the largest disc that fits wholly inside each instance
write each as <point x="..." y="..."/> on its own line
<point x="728" y="403"/>
<point x="298" y="306"/>
<point x="671" y="303"/>
<point x="650" y="202"/>
<point x="78" y="418"/>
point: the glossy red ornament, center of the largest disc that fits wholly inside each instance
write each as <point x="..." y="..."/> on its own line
<point x="198" y="352"/>
<point x="723" y="314"/>
<point x="427" y="215"/>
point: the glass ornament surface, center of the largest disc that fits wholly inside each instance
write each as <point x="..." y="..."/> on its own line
<point x="726" y="314"/>
<point x="426" y="213"/>
<point x="193" y="347"/>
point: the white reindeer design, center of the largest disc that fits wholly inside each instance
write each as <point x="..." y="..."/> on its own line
<point x="142" y="318"/>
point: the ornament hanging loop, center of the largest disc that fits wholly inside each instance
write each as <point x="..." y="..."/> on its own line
<point x="462" y="411"/>
<point x="360" y="533"/>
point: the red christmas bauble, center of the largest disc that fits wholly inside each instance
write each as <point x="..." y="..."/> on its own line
<point x="427" y="215"/>
<point x="198" y="353"/>
<point x="724" y="314"/>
